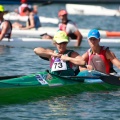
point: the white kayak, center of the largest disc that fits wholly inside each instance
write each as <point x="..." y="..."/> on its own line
<point x="37" y="42"/>
<point x="16" y="17"/>
<point x="52" y="30"/>
<point x="90" y="10"/>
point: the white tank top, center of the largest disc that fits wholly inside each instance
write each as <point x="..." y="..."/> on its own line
<point x="8" y="31"/>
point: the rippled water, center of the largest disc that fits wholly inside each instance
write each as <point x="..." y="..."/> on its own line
<point x="85" y="106"/>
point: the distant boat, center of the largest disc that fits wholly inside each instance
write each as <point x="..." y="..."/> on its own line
<point x="37" y="42"/>
<point x="90" y="10"/>
<point x="16" y="17"/>
<point x="52" y="30"/>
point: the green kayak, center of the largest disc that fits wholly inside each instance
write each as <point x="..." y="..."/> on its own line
<point x="42" y="85"/>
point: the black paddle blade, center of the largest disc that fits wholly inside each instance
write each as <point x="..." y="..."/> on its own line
<point x="113" y="80"/>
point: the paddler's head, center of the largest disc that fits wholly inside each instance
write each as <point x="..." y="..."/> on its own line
<point x="94" y="37"/>
<point x="62" y="14"/>
<point x="60" y="40"/>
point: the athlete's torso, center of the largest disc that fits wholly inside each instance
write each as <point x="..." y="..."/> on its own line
<point x="69" y="28"/>
<point x="8" y="33"/>
<point x="60" y="67"/>
<point x="99" y="61"/>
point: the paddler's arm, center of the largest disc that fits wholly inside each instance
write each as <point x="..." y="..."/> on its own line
<point x="73" y="29"/>
<point x="42" y="52"/>
<point x="79" y="38"/>
<point x="85" y="57"/>
<point x="75" y="59"/>
<point x="4" y="30"/>
<point x="111" y="56"/>
<point x="32" y="23"/>
<point x="46" y="53"/>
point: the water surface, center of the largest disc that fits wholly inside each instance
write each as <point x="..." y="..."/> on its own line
<point x="84" y="106"/>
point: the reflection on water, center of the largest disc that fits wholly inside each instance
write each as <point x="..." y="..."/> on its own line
<point x="85" y="106"/>
<point x="4" y="50"/>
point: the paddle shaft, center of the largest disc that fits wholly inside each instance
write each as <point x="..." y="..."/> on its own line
<point x="110" y="79"/>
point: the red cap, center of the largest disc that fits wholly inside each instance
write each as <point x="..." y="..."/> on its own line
<point x="62" y="12"/>
<point x="23" y="1"/>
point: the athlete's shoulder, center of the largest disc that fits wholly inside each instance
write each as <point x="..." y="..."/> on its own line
<point x="70" y="22"/>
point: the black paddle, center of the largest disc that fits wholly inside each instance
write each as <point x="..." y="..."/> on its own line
<point x="110" y="79"/>
<point x="10" y="77"/>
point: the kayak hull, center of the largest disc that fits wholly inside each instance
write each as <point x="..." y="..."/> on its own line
<point x="35" y="93"/>
<point x="33" y="88"/>
<point x="79" y="9"/>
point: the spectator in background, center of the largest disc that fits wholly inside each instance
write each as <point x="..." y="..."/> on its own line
<point x="69" y="27"/>
<point x="33" y="20"/>
<point x="5" y="25"/>
<point x="35" y="9"/>
<point x="22" y="6"/>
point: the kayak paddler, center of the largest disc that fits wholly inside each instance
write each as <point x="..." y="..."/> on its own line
<point x="62" y="60"/>
<point x="98" y="57"/>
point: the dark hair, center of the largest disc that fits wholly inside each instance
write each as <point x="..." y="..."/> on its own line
<point x="27" y="9"/>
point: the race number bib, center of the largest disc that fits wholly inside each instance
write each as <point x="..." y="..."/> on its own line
<point x="59" y="65"/>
